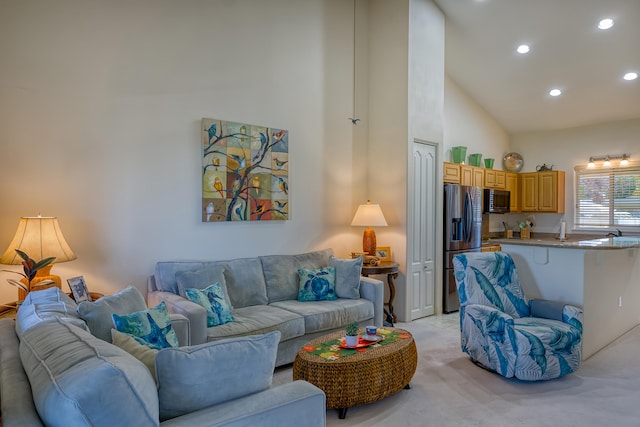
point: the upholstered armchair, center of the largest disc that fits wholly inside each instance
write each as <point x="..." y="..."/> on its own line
<point x="504" y="332"/>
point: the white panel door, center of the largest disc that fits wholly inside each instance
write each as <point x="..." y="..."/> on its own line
<point x="422" y="235"/>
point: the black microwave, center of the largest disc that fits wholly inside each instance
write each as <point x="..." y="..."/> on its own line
<point x="496" y="201"/>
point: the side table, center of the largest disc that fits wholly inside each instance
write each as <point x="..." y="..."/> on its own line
<point x="391" y="270"/>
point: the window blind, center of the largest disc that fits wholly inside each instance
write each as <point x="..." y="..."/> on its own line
<point x="607" y="197"/>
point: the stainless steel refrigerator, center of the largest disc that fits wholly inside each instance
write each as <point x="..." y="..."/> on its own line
<point x="462" y="233"/>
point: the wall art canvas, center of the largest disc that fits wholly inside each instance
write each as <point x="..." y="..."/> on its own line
<point x="245" y="172"/>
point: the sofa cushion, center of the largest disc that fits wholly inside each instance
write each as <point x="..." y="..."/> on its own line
<point x="281" y="272"/>
<point x="326" y="315"/>
<point x="203" y="278"/>
<point x="98" y="314"/>
<point x="192" y="378"/>
<point x="243" y="278"/>
<point x="212" y="298"/>
<point x="348" y="272"/>
<point x="260" y="320"/>
<point x="44" y="305"/>
<point x="151" y="327"/>
<point x="80" y="380"/>
<point x="143" y="353"/>
<point x="317" y="284"/>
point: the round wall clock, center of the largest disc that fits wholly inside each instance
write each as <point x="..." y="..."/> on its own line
<point x="512" y="162"/>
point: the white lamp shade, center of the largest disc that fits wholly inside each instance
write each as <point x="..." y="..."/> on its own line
<point x="369" y="216"/>
<point x="39" y="237"/>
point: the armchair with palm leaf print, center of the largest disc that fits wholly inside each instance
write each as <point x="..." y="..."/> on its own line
<point x="503" y="331"/>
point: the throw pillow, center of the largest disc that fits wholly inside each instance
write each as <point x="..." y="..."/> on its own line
<point x="98" y="313"/>
<point x="192" y="378"/>
<point x="141" y="352"/>
<point x="213" y="300"/>
<point x="317" y="284"/>
<point x="348" y="272"/>
<point x="151" y="327"/>
<point x="200" y="279"/>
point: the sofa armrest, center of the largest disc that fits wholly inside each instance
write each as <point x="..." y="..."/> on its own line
<point x="17" y="405"/>
<point x="556" y="310"/>
<point x="196" y="314"/>
<point x="285" y="405"/>
<point x="373" y="290"/>
<point x="180" y="325"/>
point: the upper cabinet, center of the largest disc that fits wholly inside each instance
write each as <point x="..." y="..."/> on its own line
<point x="451" y="173"/>
<point x="511" y="183"/>
<point x="543" y="191"/>
<point x="471" y="175"/>
<point x="495" y="179"/>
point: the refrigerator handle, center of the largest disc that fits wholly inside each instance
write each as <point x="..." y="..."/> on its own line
<point x="466" y="217"/>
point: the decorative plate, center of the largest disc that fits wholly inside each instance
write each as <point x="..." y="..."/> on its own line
<point x="361" y="343"/>
<point x="513" y="162"/>
<point x="374" y="338"/>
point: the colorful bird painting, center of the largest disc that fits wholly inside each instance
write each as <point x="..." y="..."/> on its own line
<point x="209" y="210"/>
<point x="255" y="183"/>
<point x="217" y="184"/>
<point x="242" y="161"/>
<point x="280" y="204"/>
<point x="278" y="135"/>
<point x="259" y="208"/>
<point x="212" y="131"/>
<point x="280" y="163"/>
<point x="282" y="184"/>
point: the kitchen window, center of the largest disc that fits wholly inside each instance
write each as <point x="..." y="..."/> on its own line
<point x="607" y="198"/>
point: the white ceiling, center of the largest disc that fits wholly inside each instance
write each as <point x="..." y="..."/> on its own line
<point x="567" y="51"/>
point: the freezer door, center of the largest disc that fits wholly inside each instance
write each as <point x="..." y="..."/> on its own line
<point x="462" y="217"/>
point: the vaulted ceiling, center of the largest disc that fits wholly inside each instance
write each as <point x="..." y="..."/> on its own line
<point x="567" y="52"/>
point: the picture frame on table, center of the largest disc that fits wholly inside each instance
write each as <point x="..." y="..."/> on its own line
<point x="79" y="289"/>
<point x="384" y="253"/>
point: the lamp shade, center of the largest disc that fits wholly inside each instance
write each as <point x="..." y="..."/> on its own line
<point x="39" y="237"/>
<point x="369" y="216"/>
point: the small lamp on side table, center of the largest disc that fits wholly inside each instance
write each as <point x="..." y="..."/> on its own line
<point x="369" y="216"/>
<point x="38" y="237"/>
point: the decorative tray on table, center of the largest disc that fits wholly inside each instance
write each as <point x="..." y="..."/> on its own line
<point x="363" y="341"/>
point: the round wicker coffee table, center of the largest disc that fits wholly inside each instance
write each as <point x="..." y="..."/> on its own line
<point x="358" y="377"/>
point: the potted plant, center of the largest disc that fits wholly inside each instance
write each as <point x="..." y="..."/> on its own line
<point x="30" y="268"/>
<point x="351" y="338"/>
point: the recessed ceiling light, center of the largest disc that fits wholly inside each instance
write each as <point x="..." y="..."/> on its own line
<point x="605" y="24"/>
<point x="523" y="48"/>
<point x="630" y="76"/>
<point x="555" y="92"/>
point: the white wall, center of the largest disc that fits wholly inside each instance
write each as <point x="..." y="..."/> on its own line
<point x="567" y="148"/>
<point x="466" y="123"/>
<point x="100" y="108"/>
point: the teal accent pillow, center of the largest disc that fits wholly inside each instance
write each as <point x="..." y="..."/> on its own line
<point x="348" y="272"/>
<point x="317" y="285"/>
<point x="151" y="327"/>
<point x="212" y="298"/>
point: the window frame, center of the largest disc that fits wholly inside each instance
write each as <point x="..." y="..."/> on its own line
<point x="581" y="171"/>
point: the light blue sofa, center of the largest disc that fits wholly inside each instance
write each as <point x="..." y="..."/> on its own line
<point x="54" y="372"/>
<point x="263" y="293"/>
<point x="506" y="333"/>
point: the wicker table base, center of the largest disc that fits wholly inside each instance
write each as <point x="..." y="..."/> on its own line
<point x="363" y="377"/>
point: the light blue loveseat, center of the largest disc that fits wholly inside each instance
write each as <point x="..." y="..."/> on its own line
<point x="53" y="371"/>
<point x="263" y="293"/>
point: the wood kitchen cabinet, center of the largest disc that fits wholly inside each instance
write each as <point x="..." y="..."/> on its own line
<point x="542" y="191"/>
<point x="471" y="175"/>
<point x="511" y="184"/>
<point x="451" y="172"/>
<point x="495" y="179"/>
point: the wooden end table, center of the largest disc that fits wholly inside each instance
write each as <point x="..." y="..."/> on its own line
<point x="391" y="270"/>
<point x="357" y="377"/>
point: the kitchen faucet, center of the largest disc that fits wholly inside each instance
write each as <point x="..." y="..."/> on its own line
<point x="614" y="234"/>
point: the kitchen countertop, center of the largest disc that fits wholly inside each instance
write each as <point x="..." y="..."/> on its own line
<point x="574" y="242"/>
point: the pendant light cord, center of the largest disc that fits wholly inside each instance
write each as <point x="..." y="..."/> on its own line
<point x="353" y="119"/>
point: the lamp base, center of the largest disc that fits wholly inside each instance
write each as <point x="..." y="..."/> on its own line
<point x="369" y="241"/>
<point x="41" y="275"/>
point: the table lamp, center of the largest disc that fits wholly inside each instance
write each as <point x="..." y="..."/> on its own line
<point x="39" y="237"/>
<point x="369" y="216"/>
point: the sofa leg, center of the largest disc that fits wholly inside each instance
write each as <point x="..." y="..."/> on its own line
<point x="342" y="413"/>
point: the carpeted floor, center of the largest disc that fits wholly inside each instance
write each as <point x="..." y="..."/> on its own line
<point x="449" y="390"/>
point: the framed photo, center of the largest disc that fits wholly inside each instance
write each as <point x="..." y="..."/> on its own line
<point x="79" y="289"/>
<point x="384" y="253"/>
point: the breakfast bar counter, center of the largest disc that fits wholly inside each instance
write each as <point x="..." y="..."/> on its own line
<point x="600" y="275"/>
